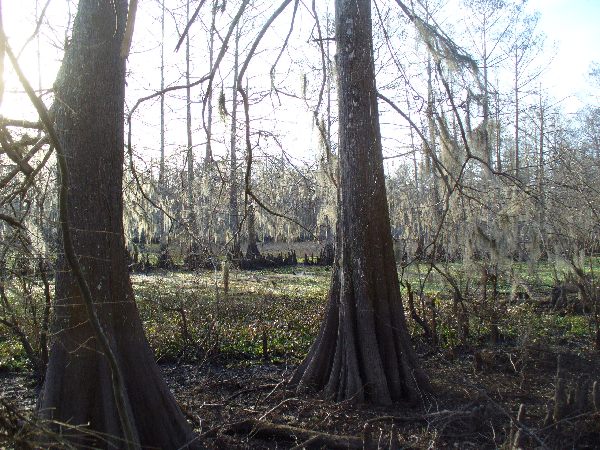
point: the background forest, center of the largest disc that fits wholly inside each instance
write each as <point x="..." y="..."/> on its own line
<point x="231" y="193"/>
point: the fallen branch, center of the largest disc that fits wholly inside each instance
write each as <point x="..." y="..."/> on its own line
<point x="309" y="438"/>
<point x="313" y="441"/>
<point x="277" y="406"/>
<point x="470" y="415"/>
<point x="250" y="389"/>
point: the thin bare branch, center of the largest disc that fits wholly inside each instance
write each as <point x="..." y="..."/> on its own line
<point x="20" y="123"/>
<point x="189" y="24"/>
<point x="38" y="25"/>
<point x="15" y="223"/>
<point x="10" y="175"/>
<point x="259" y="37"/>
<point x="285" y="42"/>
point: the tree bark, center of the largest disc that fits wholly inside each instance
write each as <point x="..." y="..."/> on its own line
<point x="309" y="438"/>
<point x="363" y="351"/>
<point x="190" y="204"/>
<point x="234" y="219"/>
<point x="162" y="235"/>
<point x="252" y="250"/>
<point x="517" y="151"/>
<point x="89" y="121"/>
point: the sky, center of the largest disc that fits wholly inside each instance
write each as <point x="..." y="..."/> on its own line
<point x="571" y="29"/>
<point x="574" y="27"/>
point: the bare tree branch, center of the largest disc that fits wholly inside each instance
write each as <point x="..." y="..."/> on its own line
<point x="21" y="123"/>
<point x="189" y="24"/>
<point x="259" y="37"/>
<point x="12" y="221"/>
<point x="10" y="175"/>
<point x="38" y="25"/>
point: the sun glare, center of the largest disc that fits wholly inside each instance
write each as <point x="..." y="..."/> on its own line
<point x="38" y="54"/>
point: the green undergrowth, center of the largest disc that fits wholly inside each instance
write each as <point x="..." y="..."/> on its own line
<point x="12" y="355"/>
<point x="520" y="308"/>
<point x="275" y="315"/>
<point x="265" y="314"/>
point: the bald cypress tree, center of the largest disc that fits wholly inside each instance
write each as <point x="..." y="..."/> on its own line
<point x="363" y="350"/>
<point x="79" y="387"/>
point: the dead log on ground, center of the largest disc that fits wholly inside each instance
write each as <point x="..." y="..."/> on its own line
<point x="308" y="438"/>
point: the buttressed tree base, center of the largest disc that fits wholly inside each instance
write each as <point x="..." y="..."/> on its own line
<point x="78" y="390"/>
<point x="363" y="351"/>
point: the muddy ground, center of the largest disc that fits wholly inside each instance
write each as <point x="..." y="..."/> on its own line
<point x="478" y="393"/>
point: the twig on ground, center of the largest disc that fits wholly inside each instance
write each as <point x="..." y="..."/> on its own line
<point x="247" y="390"/>
<point x="283" y="402"/>
<point x="258" y="429"/>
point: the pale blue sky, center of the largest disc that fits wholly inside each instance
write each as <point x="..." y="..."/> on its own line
<point x="574" y="25"/>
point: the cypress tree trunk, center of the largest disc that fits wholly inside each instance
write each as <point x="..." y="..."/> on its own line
<point x="363" y="351"/>
<point x="89" y="122"/>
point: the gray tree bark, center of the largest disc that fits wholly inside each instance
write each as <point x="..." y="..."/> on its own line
<point x="161" y="169"/>
<point x="234" y="219"/>
<point x="89" y="123"/>
<point x="363" y="351"/>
